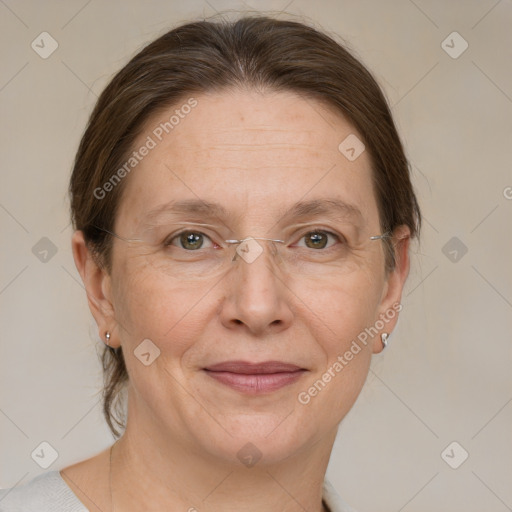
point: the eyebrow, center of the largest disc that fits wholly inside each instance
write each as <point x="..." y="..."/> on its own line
<point x="329" y="206"/>
<point x="188" y="206"/>
<point x="333" y="207"/>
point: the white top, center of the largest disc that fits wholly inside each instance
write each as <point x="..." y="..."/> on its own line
<point x="49" y="492"/>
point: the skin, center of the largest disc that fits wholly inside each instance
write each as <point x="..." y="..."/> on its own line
<point x="255" y="153"/>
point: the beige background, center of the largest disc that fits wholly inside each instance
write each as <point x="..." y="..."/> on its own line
<point x="447" y="374"/>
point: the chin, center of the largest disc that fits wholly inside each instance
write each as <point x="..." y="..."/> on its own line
<point x="258" y="439"/>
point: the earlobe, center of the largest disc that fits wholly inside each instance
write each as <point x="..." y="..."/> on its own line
<point x="96" y="282"/>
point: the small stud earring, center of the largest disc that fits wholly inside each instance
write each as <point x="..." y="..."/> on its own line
<point x="107" y="337"/>
<point x="384" y="339"/>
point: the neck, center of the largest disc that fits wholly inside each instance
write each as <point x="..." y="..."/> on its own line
<point x="150" y="473"/>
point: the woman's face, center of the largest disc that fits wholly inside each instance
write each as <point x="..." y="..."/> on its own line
<point x="255" y="156"/>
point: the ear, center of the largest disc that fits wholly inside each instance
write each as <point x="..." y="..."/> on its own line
<point x="97" y="284"/>
<point x="390" y="305"/>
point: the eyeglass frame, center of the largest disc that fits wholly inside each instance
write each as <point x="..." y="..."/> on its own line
<point x="382" y="236"/>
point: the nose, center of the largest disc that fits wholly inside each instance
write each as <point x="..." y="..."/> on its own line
<point x="257" y="299"/>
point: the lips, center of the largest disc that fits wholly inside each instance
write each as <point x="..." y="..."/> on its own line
<point x="253" y="368"/>
<point x="255" y="378"/>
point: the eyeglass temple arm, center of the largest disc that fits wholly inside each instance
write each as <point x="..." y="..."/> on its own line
<point x="387" y="234"/>
<point x="376" y="237"/>
<point x="116" y="235"/>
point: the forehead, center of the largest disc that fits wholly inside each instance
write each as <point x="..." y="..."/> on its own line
<point x="252" y="153"/>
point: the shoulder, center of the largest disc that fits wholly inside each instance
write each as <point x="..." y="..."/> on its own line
<point x="333" y="499"/>
<point x="45" y="493"/>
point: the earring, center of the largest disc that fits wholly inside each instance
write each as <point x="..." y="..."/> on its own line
<point x="384" y="339"/>
<point x="107" y="337"/>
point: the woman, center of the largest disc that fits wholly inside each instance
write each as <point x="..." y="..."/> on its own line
<point x="243" y="213"/>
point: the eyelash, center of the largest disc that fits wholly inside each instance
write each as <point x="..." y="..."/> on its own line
<point x="339" y="238"/>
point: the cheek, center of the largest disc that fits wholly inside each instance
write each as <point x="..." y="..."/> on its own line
<point x="339" y="376"/>
<point x="343" y="305"/>
<point x="336" y="315"/>
<point x="168" y="315"/>
<point x="149" y="305"/>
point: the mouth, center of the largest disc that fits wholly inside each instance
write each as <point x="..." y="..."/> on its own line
<point x="255" y="378"/>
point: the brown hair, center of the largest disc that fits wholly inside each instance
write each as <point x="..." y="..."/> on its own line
<point x="205" y="56"/>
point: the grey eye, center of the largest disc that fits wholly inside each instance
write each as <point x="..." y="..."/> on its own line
<point x="189" y="240"/>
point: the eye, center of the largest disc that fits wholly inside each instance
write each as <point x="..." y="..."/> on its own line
<point x="188" y="240"/>
<point x="319" y="239"/>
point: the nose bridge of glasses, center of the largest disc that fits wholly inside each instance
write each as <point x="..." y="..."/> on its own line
<point x="249" y="249"/>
